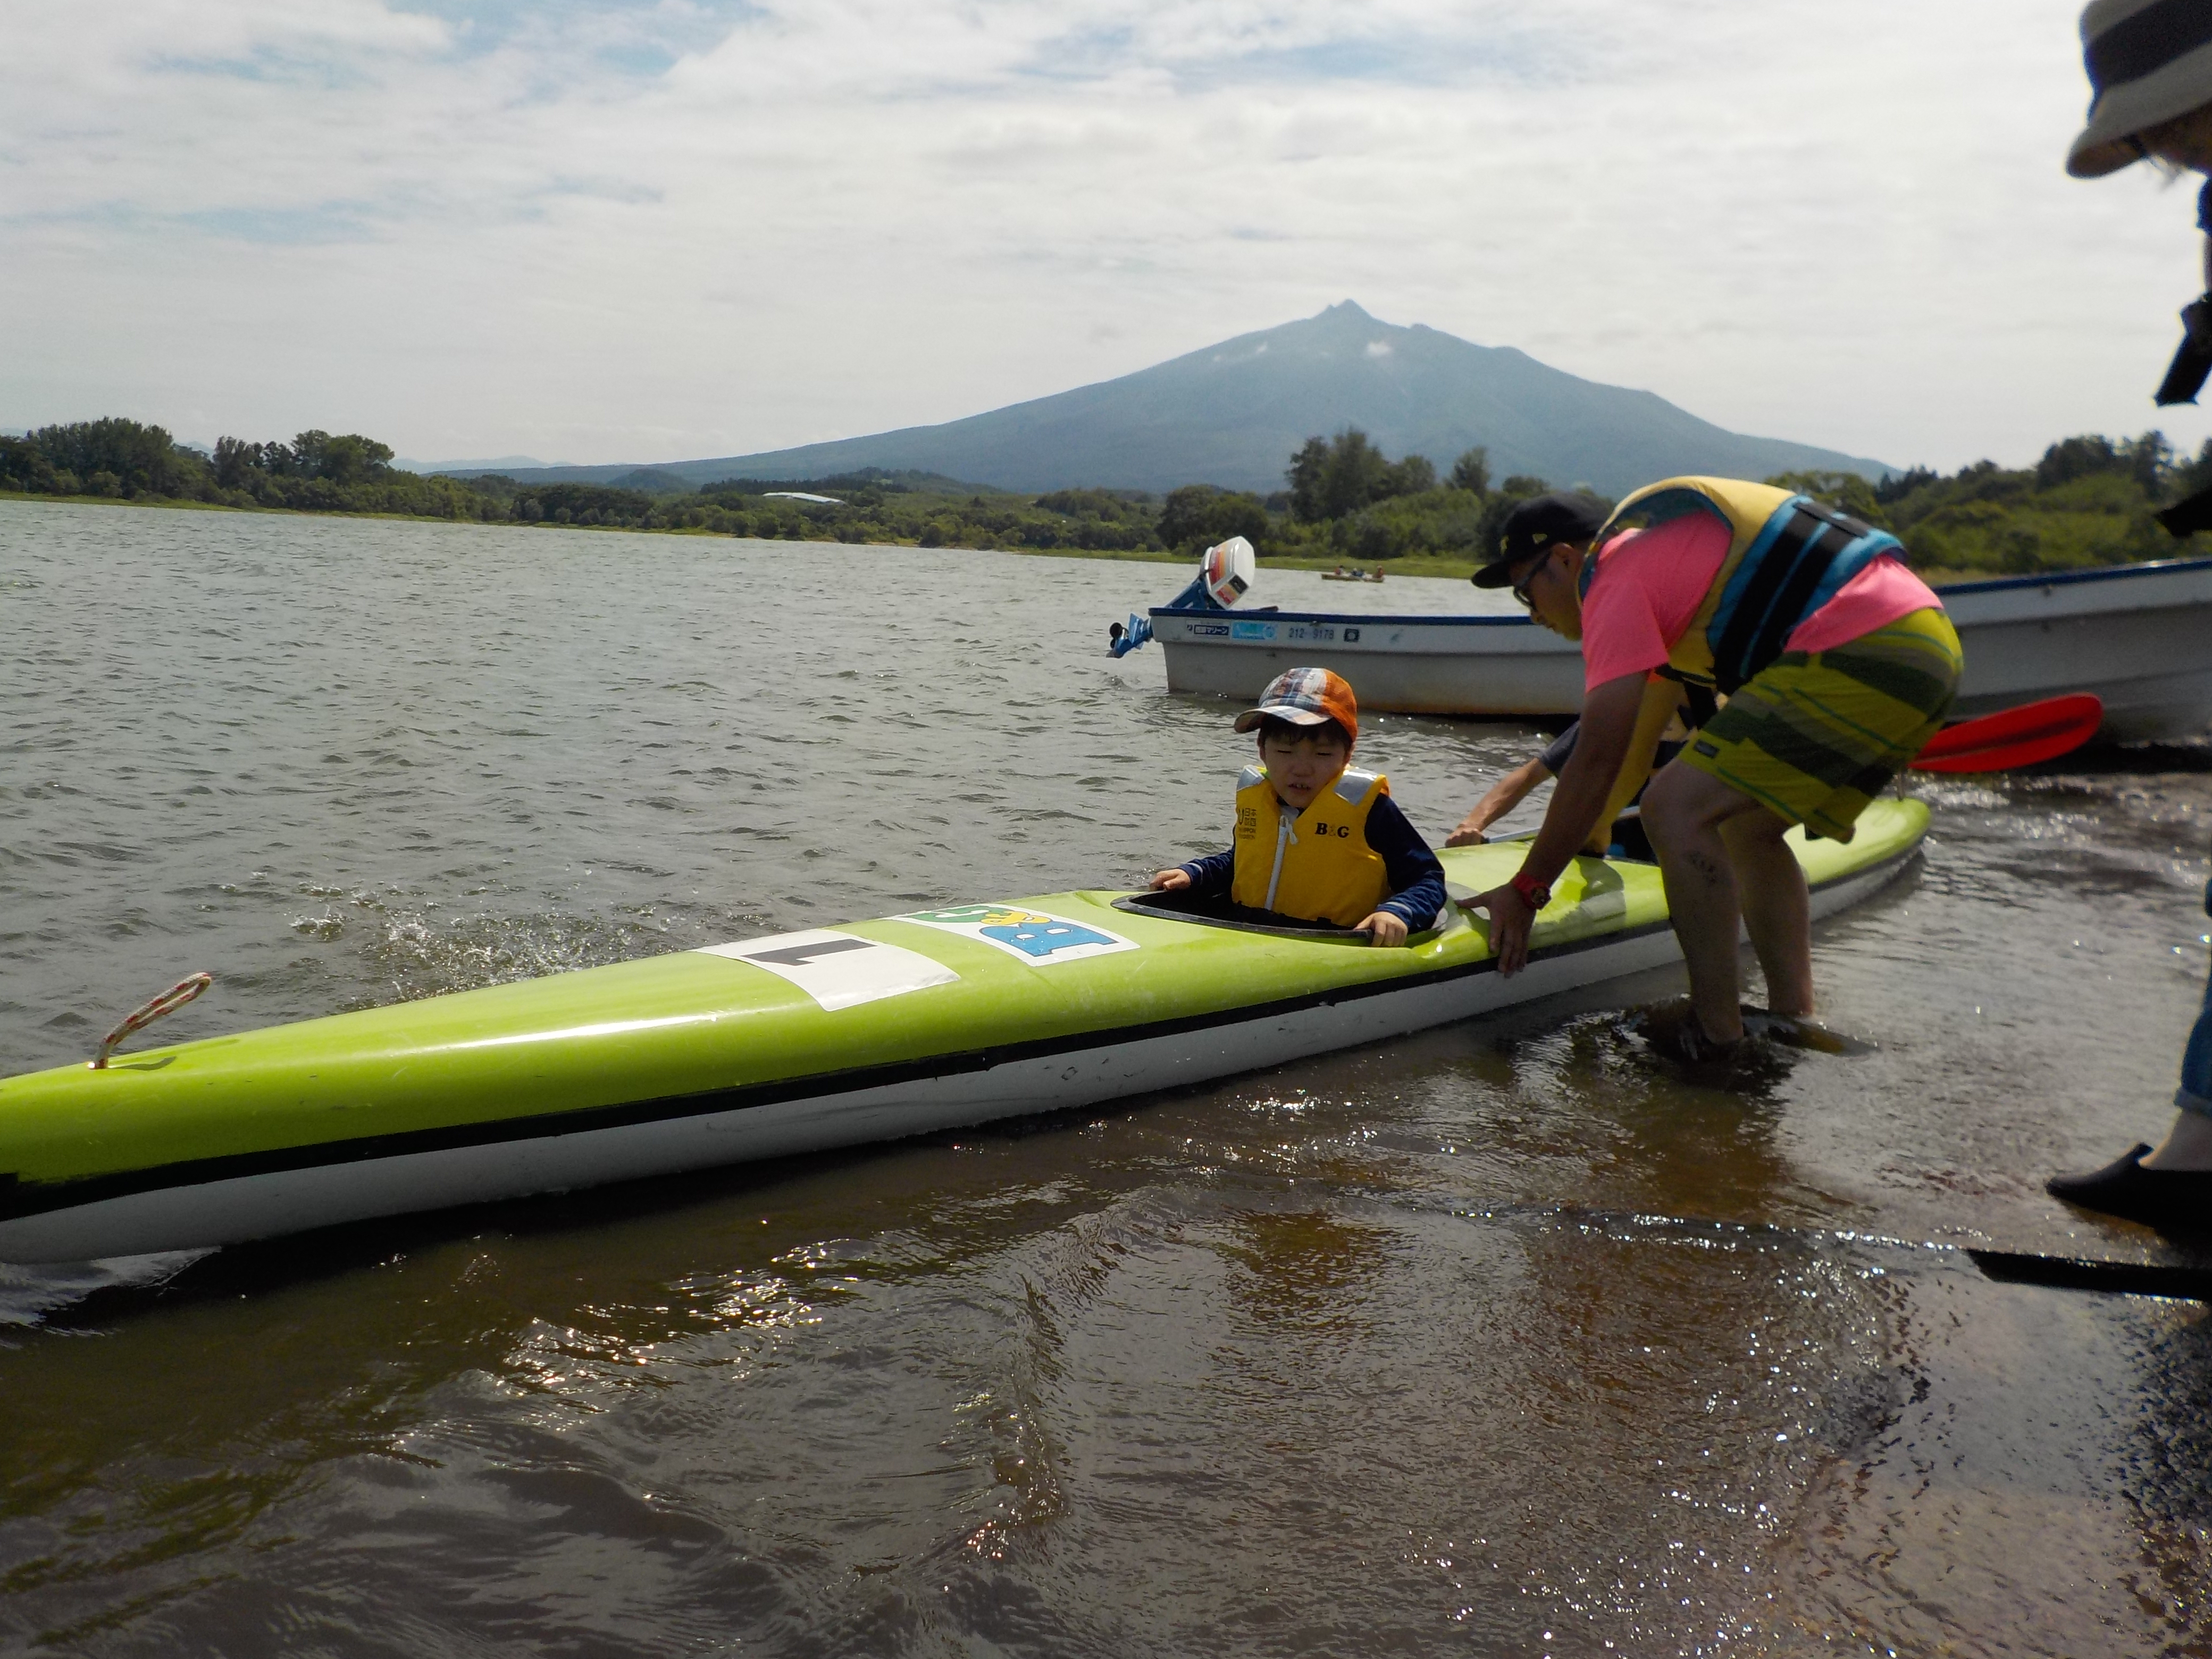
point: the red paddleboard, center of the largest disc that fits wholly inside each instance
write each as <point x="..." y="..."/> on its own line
<point x="2014" y="737"/>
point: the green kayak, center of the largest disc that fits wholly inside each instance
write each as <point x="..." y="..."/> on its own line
<point x="829" y="1037"/>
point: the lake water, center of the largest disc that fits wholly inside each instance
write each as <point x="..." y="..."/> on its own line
<point x="1307" y="1363"/>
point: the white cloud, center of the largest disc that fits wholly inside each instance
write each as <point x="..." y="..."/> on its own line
<point x="661" y="230"/>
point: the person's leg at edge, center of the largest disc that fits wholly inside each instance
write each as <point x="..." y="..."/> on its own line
<point x="2188" y="1144"/>
<point x="2172" y="1186"/>
<point x="1685" y="813"/>
<point x="1777" y="910"/>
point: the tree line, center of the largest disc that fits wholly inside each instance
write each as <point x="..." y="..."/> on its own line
<point x="1344" y="499"/>
<point x="2088" y="501"/>
<point x="319" y="471"/>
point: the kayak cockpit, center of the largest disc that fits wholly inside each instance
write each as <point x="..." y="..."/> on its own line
<point x="1215" y="910"/>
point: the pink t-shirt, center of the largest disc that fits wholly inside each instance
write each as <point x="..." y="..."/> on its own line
<point x="1655" y="578"/>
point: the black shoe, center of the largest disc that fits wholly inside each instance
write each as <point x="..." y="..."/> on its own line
<point x="2171" y="1200"/>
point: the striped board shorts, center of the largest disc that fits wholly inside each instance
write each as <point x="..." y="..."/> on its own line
<point x="1814" y="735"/>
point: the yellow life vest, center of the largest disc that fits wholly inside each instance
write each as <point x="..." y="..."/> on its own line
<point x="1316" y="866"/>
<point x="1787" y="555"/>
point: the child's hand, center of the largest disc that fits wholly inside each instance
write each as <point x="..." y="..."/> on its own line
<point x="1168" y="881"/>
<point x="1385" y="928"/>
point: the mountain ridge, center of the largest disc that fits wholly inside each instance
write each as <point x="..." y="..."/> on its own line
<point x="1231" y="413"/>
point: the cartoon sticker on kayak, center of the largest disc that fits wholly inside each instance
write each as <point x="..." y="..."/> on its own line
<point x="1034" y="937"/>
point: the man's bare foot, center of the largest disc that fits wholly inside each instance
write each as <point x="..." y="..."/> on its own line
<point x="1673" y="1030"/>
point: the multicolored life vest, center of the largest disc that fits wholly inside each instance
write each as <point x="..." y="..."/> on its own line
<point x="1316" y="866"/>
<point x="1787" y="555"/>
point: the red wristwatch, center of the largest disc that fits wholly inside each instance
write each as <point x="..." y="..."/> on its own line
<point x="1533" y="893"/>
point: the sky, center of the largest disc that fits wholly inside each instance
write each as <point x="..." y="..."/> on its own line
<point x="599" y="231"/>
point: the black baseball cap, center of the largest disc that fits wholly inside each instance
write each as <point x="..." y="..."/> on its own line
<point x="1535" y="524"/>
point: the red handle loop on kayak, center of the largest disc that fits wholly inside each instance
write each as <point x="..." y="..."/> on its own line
<point x="139" y="1019"/>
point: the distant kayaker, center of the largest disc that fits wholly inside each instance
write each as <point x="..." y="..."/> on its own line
<point x="2150" y="76"/>
<point x="1837" y="663"/>
<point x="1316" y="842"/>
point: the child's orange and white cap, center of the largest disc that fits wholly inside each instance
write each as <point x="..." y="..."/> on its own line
<point x="1306" y="696"/>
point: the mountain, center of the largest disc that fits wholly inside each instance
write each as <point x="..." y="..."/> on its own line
<point x="1232" y="414"/>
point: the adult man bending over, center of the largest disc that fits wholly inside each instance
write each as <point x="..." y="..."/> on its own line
<point x="1838" y="664"/>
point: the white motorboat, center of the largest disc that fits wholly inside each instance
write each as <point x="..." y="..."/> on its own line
<point x="1495" y="666"/>
<point x="2138" y="635"/>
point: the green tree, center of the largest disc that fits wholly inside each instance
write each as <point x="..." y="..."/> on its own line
<point x="237" y="463"/>
<point x="1898" y="485"/>
<point x="1471" y="471"/>
<point x="1847" y="492"/>
<point x="1516" y="488"/>
<point x="141" y="459"/>
<point x="1199" y="515"/>
<point x="2151" y="460"/>
<point x="1357" y="473"/>
<point x="2190" y="476"/>
<point x="1333" y="477"/>
<point x="582" y="503"/>
<point x="1414" y="476"/>
<point x="1308" y="475"/>
<point x="1370" y="537"/>
<point x="347" y="459"/>
<point x="2078" y="458"/>
<point x="23" y="468"/>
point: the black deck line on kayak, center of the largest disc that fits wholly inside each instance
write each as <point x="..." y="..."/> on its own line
<point x="20" y="1198"/>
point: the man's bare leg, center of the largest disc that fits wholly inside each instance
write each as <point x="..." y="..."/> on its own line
<point x="1778" y="912"/>
<point x="1683" y="812"/>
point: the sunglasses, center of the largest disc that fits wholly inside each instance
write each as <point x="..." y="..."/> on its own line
<point x="1519" y="589"/>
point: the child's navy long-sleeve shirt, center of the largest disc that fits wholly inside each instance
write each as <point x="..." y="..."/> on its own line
<point x="1416" y="879"/>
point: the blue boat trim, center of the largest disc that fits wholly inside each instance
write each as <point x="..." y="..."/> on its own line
<point x="1357" y="619"/>
<point x="1987" y="585"/>
<point x="2076" y="578"/>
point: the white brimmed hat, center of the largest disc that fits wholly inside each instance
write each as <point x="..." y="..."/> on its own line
<point x="2148" y="61"/>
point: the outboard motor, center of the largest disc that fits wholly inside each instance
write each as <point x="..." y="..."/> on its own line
<point x="1225" y="574"/>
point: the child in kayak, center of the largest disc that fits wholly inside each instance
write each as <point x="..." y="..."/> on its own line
<point x="1314" y="841"/>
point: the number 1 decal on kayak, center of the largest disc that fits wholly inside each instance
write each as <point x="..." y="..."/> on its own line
<point x="838" y="970"/>
<point x="1031" y="936"/>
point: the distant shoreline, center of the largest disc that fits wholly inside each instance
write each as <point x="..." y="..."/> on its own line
<point x="1447" y="569"/>
<point x="1444" y="568"/>
<point x="2088" y="502"/>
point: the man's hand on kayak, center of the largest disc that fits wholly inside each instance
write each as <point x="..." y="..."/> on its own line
<point x="1384" y="927"/>
<point x="1511" y="919"/>
<point x="1169" y="881"/>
